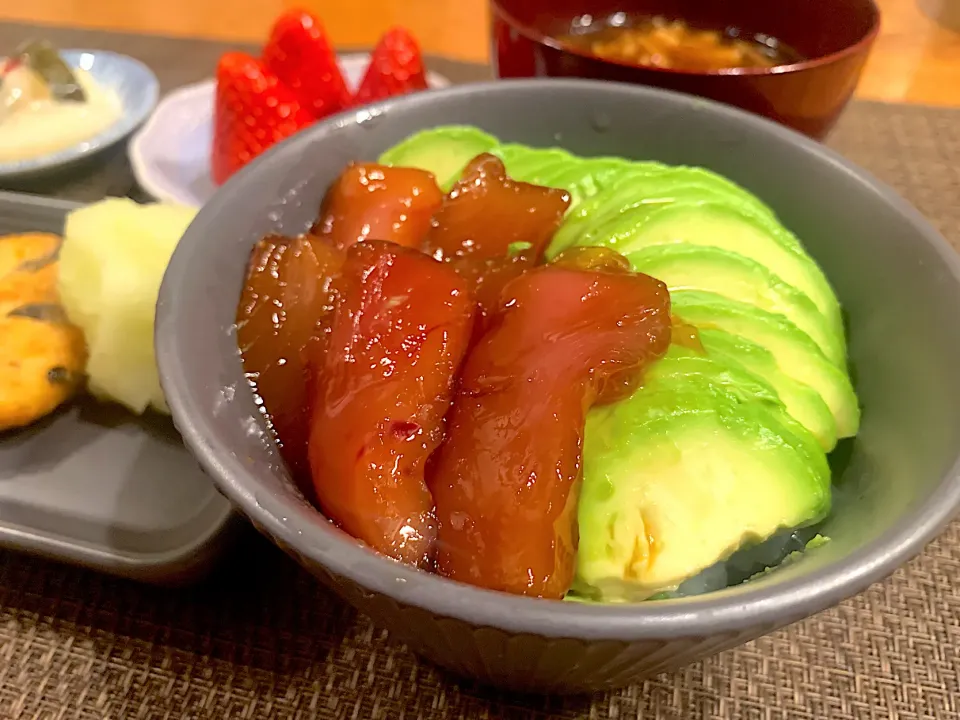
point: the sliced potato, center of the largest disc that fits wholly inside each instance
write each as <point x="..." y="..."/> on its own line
<point x="112" y="262"/>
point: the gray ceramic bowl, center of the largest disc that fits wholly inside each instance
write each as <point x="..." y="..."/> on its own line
<point x="898" y="280"/>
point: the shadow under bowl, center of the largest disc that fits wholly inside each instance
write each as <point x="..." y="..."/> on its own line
<point x="834" y="38"/>
<point x="896" y="277"/>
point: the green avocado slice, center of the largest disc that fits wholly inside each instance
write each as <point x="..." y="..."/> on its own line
<point x="636" y="188"/>
<point x="684" y="362"/>
<point x="802" y="402"/>
<point x="581" y="177"/>
<point x="587" y="177"/>
<point x="443" y="151"/>
<point x="720" y="225"/>
<point x="796" y="354"/>
<point x="701" y="267"/>
<point x="683" y="473"/>
<point x="526" y="164"/>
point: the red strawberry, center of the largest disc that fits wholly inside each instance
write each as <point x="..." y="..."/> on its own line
<point x="299" y="53"/>
<point x="396" y="67"/>
<point x="253" y="111"/>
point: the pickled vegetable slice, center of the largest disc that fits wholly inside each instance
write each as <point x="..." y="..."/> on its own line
<point x="505" y="481"/>
<point x="399" y="333"/>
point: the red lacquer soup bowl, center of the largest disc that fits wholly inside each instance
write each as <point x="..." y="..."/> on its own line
<point x="833" y="40"/>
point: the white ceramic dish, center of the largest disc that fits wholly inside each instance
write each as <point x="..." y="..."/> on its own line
<point x="170" y="155"/>
<point x="132" y="81"/>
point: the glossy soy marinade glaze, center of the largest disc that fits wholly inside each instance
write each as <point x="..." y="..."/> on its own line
<point x="571" y="334"/>
<point x="396" y="362"/>
<point x="566" y="377"/>
<point x="400" y="330"/>
<point x="492" y="229"/>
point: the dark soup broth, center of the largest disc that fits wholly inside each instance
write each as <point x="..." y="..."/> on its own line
<point x="661" y="42"/>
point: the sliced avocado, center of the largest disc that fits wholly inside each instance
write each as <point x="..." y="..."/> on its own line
<point x="580" y="177"/>
<point x="586" y="178"/>
<point x="669" y="185"/>
<point x="444" y="151"/>
<point x="682" y="474"/>
<point x="527" y="164"/>
<point x="684" y="176"/>
<point x="796" y="354"/>
<point x="750" y="562"/>
<point x="601" y="172"/>
<point x="720" y="225"/>
<point x="700" y="267"/>
<point x="802" y="402"/>
<point x="586" y="182"/>
<point x="682" y="362"/>
<point x="597" y="171"/>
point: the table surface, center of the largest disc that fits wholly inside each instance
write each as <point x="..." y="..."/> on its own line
<point x="916" y="58"/>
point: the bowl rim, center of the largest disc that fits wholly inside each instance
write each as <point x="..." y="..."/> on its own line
<point x="301" y="528"/>
<point x="535" y="34"/>
<point x="118" y="130"/>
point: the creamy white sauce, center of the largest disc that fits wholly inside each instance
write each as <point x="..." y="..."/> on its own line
<point x="33" y="124"/>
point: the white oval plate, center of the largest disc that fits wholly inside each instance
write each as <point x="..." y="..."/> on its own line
<point x="170" y="155"/>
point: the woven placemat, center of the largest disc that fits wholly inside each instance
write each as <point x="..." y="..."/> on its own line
<point x="261" y="639"/>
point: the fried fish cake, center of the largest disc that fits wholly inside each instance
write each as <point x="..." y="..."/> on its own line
<point x="41" y="366"/>
<point x="27" y="251"/>
<point x="28" y="288"/>
<point x="42" y="356"/>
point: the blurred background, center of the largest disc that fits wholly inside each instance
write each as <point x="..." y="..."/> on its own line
<point x="916" y="58"/>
